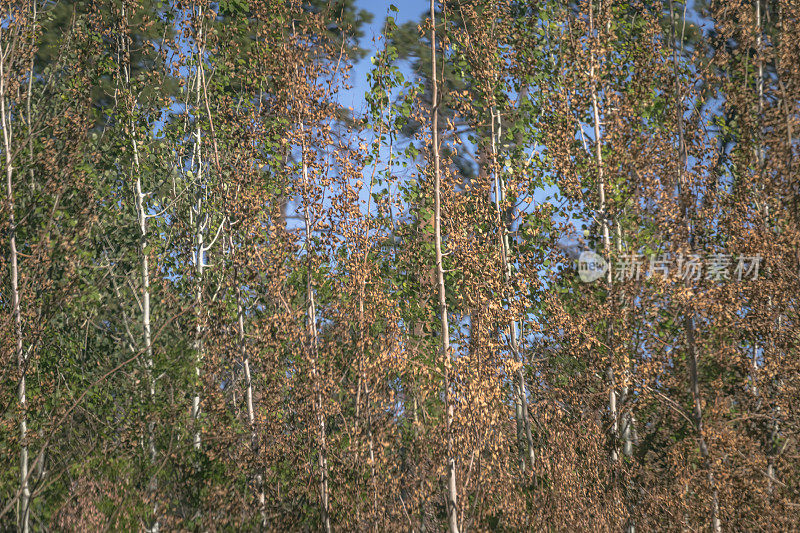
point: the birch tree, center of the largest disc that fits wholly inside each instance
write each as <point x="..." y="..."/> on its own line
<point x="7" y="57"/>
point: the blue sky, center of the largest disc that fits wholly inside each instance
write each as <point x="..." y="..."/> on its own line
<point x="408" y="10"/>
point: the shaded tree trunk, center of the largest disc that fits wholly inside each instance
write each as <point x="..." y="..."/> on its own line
<point x="22" y="399"/>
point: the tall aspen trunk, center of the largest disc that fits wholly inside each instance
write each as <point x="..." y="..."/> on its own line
<point x="689" y="315"/>
<point x="25" y="493"/>
<point x="146" y="328"/>
<point x="523" y="420"/>
<point x="362" y="381"/>
<point x="698" y="420"/>
<point x="200" y="225"/>
<point x="144" y="269"/>
<point x="251" y="419"/>
<point x="41" y="471"/>
<point x="452" y="488"/>
<point x="627" y="429"/>
<point x="776" y="411"/>
<point x="245" y="357"/>
<point x="314" y="342"/>
<point x="199" y="252"/>
<point x="612" y="390"/>
<point x="760" y="161"/>
<point x="141" y="214"/>
<point x="362" y="333"/>
<point x="613" y="409"/>
<point x="772" y="435"/>
<point x="760" y="85"/>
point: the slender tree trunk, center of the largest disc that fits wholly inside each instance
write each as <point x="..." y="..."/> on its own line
<point x="698" y="420"/>
<point x="772" y="434"/>
<point x="145" y="273"/>
<point x="141" y="216"/>
<point x="25" y="494"/>
<point x="141" y="213"/>
<point x="41" y="471"/>
<point x="760" y="86"/>
<point x="688" y="318"/>
<point x="613" y="396"/>
<point x="772" y="450"/>
<point x="523" y="420"/>
<point x="612" y="391"/>
<point x="363" y="381"/>
<point x="146" y="328"/>
<point x="776" y="411"/>
<point x="312" y="331"/>
<point x="627" y="430"/>
<point x="199" y="259"/>
<point x="452" y="488"/>
<point x="245" y="357"/>
<point x="362" y="334"/>
<point x="200" y="226"/>
<point x="251" y="419"/>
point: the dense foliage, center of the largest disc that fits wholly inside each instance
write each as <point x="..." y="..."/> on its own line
<point x="229" y="301"/>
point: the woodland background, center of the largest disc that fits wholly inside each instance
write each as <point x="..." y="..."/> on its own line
<point x="232" y="300"/>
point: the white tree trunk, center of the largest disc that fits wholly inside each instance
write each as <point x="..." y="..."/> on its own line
<point x="141" y="215"/>
<point x="312" y="330"/>
<point x="245" y="356"/>
<point x="199" y="248"/>
<point x="452" y="488"/>
<point x="523" y="420"/>
<point x="25" y="494"/>
<point x="612" y="391"/>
